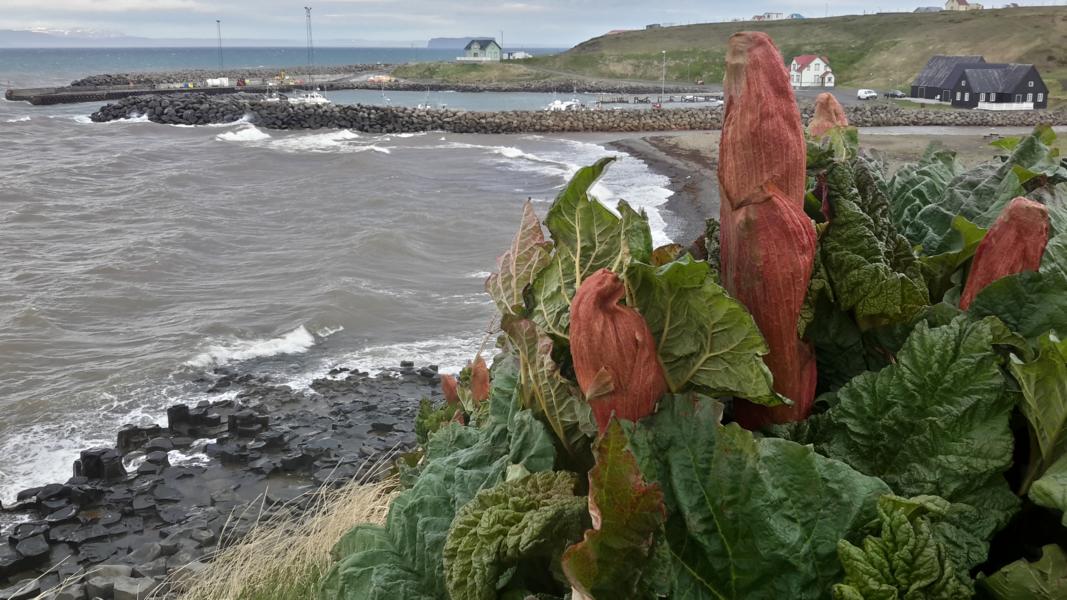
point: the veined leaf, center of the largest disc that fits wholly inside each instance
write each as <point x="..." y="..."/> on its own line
<point x="627" y="513"/>
<point x="1045" y="579"/>
<point x="706" y="340"/>
<point x="530" y="520"/>
<point x="752" y="518"/>
<point x="588" y="237"/>
<point x="961" y="243"/>
<point x="404" y="558"/>
<point x="906" y="561"/>
<point x="916" y="186"/>
<point x="870" y="267"/>
<point x="528" y="255"/>
<point x="545" y="391"/>
<point x="946" y="397"/>
<point x="1044" y="401"/>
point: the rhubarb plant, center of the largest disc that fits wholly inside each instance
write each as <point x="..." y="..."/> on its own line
<point x="852" y="387"/>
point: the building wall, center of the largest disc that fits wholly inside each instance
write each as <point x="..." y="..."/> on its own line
<point x="811" y="76"/>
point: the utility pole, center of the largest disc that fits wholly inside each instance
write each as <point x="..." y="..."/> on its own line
<point x="663" y="78"/>
<point x="311" y="52"/>
<point x="218" y="26"/>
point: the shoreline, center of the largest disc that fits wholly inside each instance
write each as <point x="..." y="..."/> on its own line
<point x="163" y="498"/>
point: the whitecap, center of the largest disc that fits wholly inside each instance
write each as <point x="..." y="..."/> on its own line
<point x="18" y="120"/>
<point x="296" y="341"/>
<point x="478" y="274"/>
<point x="249" y="133"/>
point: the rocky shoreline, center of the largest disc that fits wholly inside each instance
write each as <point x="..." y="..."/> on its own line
<point x="154" y="507"/>
<point x="201" y="109"/>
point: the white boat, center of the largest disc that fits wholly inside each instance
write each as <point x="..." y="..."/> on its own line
<point x="308" y="98"/>
<point x="563" y="105"/>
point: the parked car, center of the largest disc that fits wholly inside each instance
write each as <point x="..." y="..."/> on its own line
<point x="895" y="94"/>
<point x="866" y="94"/>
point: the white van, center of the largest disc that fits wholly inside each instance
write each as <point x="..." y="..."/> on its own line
<point x="866" y="94"/>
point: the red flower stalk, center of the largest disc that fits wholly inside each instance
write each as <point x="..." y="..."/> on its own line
<point x="828" y="114"/>
<point x="1014" y="244"/>
<point x="479" y="380"/>
<point x="614" y="352"/>
<point x="450" y="388"/>
<point x="767" y="242"/>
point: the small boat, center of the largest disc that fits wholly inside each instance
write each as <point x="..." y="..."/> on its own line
<point x="561" y="105"/>
<point x="312" y="97"/>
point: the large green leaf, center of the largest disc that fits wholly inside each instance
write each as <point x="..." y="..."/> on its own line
<point x="528" y="254"/>
<point x="520" y="526"/>
<point x="705" y="339"/>
<point x="907" y="559"/>
<point x="542" y="388"/>
<point x="404" y="558"/>
<point x="940" y="270"/>
<point x="871" y="269"/>
<point x="627" y="514"/>
<point x="588" y="237"/>
<point x="1051" y="490"/>
<point x="916" y="186"/>
<point x="935" y="422"/>
<point x="981" y="194"/>
<point x="1045" y="579"/>
<point x="1043" y="382"/>
<point x="752" y="518"/>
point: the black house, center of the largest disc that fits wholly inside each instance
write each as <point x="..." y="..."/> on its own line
<point x="971" y="82"/>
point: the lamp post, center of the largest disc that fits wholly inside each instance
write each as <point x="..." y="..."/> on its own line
<point x="218" y="27"/>
<point x="663" y="78"/>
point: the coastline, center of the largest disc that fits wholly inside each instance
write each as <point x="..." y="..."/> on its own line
<point x="688" y="160"/>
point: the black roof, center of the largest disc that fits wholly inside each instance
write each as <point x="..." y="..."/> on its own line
<point x="997" y="78"/>
<point x="482" y="42"/>
<point x="938" y="72"/>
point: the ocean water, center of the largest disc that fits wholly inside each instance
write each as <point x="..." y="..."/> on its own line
<point x="43" y="67"/>
<point x="135" y="257"/>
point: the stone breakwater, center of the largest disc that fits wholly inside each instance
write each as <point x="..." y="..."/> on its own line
<point x="156" y="505"/>
<point x="169" y="77"/>
<point x="561" y="86"/>
<point x="200" y="109"/>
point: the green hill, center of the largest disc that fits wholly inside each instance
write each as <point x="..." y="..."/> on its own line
<point x="885" y="50"/>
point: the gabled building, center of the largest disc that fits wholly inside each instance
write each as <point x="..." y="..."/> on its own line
<point x="962" y="5"/>
<point x="481" y="50"/>
<point x="971" y="82"/>
<point x="810" y="70"/>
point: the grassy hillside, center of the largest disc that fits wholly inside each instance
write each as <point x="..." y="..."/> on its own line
<point x="468" y="72"/>
<point x="873" y="50"/>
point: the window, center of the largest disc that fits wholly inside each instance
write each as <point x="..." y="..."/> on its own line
<point x="958" y="94"/>
<point x="992" y="97"/>
<point x="964" y="83"/>
<point x="981" y="97"/>
<point x="1029" y="97"/>
<point x="1040" y="97"/>
<point x="967" y="97"/>
<point x="1031" y="84"/>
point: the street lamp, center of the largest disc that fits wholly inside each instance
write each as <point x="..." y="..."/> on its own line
<point x="663" y="78"/>
<point x="218" y="26"/>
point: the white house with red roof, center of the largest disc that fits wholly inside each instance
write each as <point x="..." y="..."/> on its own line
<point x="811" y="70"/>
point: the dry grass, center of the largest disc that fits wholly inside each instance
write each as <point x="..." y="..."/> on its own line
<point x="285" y="556"/>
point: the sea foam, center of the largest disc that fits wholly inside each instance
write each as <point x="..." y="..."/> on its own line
<point x="249" y="133"/>
<point x="296" y="341"/>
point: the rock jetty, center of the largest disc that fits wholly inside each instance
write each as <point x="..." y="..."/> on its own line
<point x="157" y="504"/>
<point x="200" y="109"/>
<point x="190" y="75"/>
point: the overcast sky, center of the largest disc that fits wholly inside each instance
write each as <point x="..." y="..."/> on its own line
<point x="555" y="22"/>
